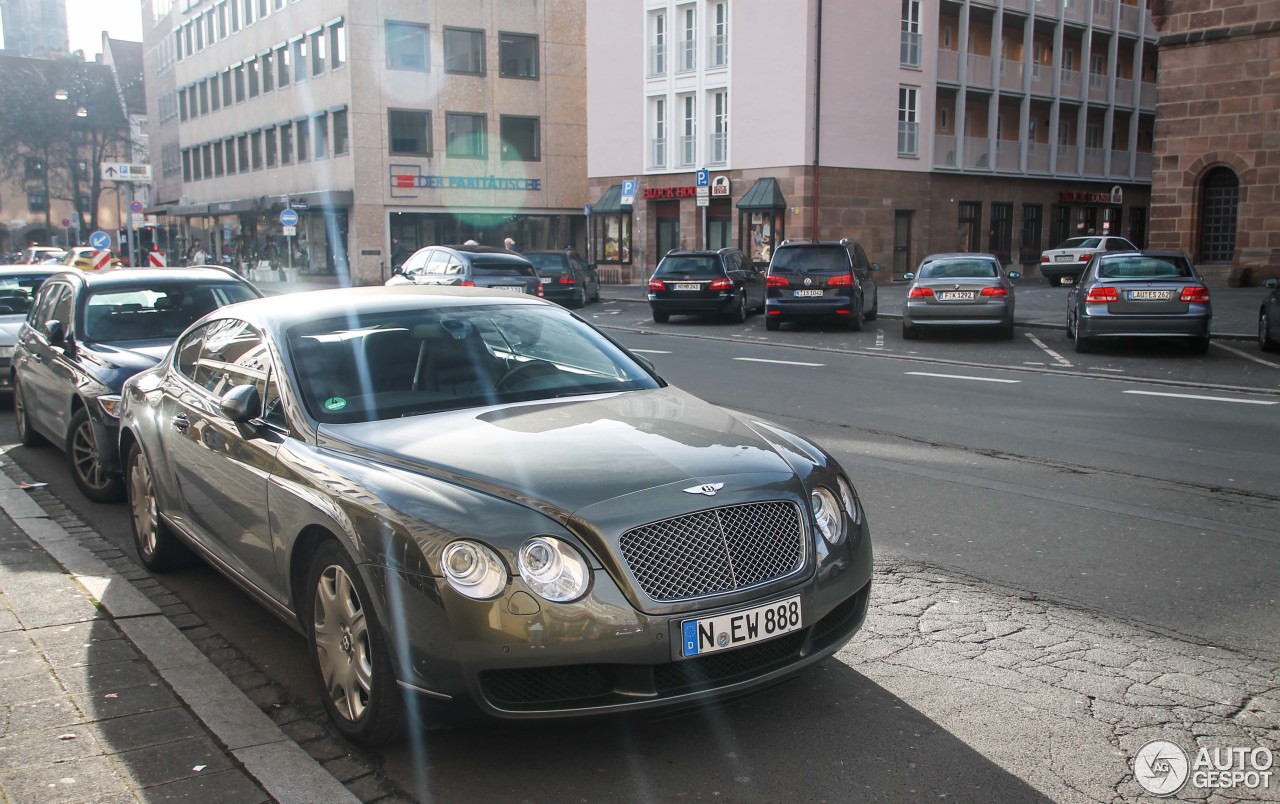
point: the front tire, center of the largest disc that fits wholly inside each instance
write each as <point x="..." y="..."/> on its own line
<point x="27" y="436"/>
<point x="348" y="654"/>
<point x="159" y="549"/>
<point x="85" y="462"/>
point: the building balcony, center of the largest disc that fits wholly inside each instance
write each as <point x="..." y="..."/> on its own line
<point x="1076" y="11"/>
<point x="977" y="159"/>
<point x="658" y="153"/>
<point x="1143" y="166"/>
<point x="1097" y="88"/>
<point x="1147" y="96"/>
<point x="1018" y="5"/>
<point x="944" y="151"/>
<point x="909" y="51"/>
<point x="657" y="60"/>
<point x="1007" y="156"/>
<point x="1038" y="157"/>
<point x="1130" y="18"/>
<point x="979" y="71"/>
<point x="1095" y="162"/>
<point x="1124" y="92"/>
<point x="1041" y="79"/>
<point x="948" y="66"/>
<point x="688" y="57"/>
<point x="719" y="148"/>
<point x="1011" y="74"/>
<point x="688" y="151"/>
<point x="1070" y="85"/>
<point x="1119" y="164"/>
<point x="1102" y="12"/>
<point x="717" y="52"/>
<point x="977" y="153"/>
<point x="1066" y="160"/>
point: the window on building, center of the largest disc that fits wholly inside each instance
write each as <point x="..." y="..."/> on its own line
<point x="223" y="19"/>
<point x="689" y="42"/>
<point x="1059" y="224"/>
<point x="286" y="143"/>
<point x="719" y="127"/>
<point x="182" y="105"/>
<point x="970" y="226"/>
<point x="199" y="31"/>
<point x="1029" y="247"/>
<point x="341" y="136"/>
<point x="463" y="51"/>
<point x="338" y="44"/>
<point x="247" y="12"/>
<point x="179" y="52"/>
<point x="909" y="50"/>
<point x="302" y="129"/>
<point x="407" y="46"/>
<point x="206" y="160"/>
<point x="658" y="47"/>
<point x="658" y="150"/>
<point x="229" y="150"/>
<point x="204" y="97"/>
<point x="235" y="15"/>
<point x="1000" y="239"/>
<point x="266" y="63"/>
<point x="517" y="55"/>
<point x="263" y="9"/>
<point x="283" y="66"/>
<point x="299" y="59"/>
<point x="1219" y="210"/>
<point x="33" y="168"/>
<point x="227" y="98"/>
<point x="688" y="130"/>
<point x="409" y="132"/>
<point x="521" y="138"/>
<point x="197" y="172"/>
<point x="186" y="166"/>
<point x="37" y="201"/>
<point x="319" y="50"/>
<point x="465" y="135"/>
<point x="215" y="94"/>
<point x="252" y="74"/>
<point x="272" y="144"/>
<point x="718" y="45"/>
<point x="217" y="160"/>
<point x="242" y="153"/>
<point x="908" y="121"/>
<point x="255" y="149"/>
<point x="239" y="82"/>
<point x="320" y="124"/>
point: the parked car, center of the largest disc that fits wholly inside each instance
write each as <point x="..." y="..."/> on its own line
<point x="813" y="279"/>
<point x="469" y="266"/>
<point x="85" y="335"/>
<point x="1148" y="294"/>
<point x="720" y="282"/>
<point x="1064" y="265"/>
<point x="959" y="290"/>
<point x="18" y="286"/>
<point x="566" y="277"/>
<point x="1269" y="319"/>
<point x="81" y="258"/>
<point x="38" y="255"/>
<point x="426" y="535"/>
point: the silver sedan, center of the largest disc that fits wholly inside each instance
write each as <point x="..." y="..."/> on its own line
<point x="959" y="290"/>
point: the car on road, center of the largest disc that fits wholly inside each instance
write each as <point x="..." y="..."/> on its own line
<point x="1148" y="294"/>
<point x="810" y="280"/>
<point x="469" y="266"/>
<point x="479" y="500"/>
<point x="18" y="286"/>
<point x="38" y="255"/>
<point x="86" y="333"/>
<point x="720" y="282"/>
<point x="1269" y="319"/>
<point x="81" y="258"/>
<point x="1064" y="265"/>
<point x="566" y="277"/>
<point x="959" y="290"/>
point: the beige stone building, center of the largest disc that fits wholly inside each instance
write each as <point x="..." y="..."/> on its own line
<point x="386" y="125"/>
<point x="1216" y="187"/>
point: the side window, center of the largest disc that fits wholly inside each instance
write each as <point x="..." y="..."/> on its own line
<point x="189" y="352"/>
<point x="40" y="307"/>
<point x="60" y="308"/>
<point x="860" y="265"/>
<point x="439" y="259"/>
<point x="456" y="267"/>
<point x="233" y="353"/>
<point x="416" y="263"/>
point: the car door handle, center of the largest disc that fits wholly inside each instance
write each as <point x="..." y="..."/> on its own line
<point x="180" y="422"/>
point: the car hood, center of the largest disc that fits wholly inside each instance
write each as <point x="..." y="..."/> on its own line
<point x="114" y="364"/>
<point x="563" y="455"/>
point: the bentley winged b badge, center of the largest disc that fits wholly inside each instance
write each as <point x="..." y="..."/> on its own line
<point x="708" y="489"/>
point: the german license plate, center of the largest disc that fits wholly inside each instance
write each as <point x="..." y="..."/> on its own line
<point x="511" y="288"/>
<point x="546" y="280"/>
<point x="740" y="628"/>
<point x="1064" y="258"/>
<point x="1150" y="295"/>
<point x="688" y="286"/>
<point x="1068" y="280"/>
<point x="804" y="293"/>
<point x="956" y="295"/>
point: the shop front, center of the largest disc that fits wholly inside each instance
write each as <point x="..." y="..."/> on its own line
<point x="762" y="218"/>
<point x="611" y="226"/>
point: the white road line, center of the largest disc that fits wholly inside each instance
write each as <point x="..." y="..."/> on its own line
<point x="1062" y="361"/>
<point x="1246" y="355"/>
<point x="779" y="362"/>
<point x="962" y="377"/>
<point x="1205" y="398"/>
<point x="650" y="352"/>
<point x="1115" y="371"/>
<point x="880" y="339"/>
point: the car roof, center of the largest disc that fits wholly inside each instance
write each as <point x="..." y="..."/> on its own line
<point x="29" y="270"/>
<point x="699" y="252"/>
<point x="474" y="251"/>
<point x="960" y="255"/>
<point x="147" y="276"/>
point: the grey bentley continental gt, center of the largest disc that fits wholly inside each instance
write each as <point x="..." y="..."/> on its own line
<point x="476" y="503"/>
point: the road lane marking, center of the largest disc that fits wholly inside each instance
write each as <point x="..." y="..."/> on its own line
<point x="1245" y="355"/>
<point x="1062" y="361"/>
<point x="779" y="362"/>
<point x="1205" y="398"/>
<point x="880" y="339"/>
<point x="962" y="377"/>
<point x="650" y="352"/>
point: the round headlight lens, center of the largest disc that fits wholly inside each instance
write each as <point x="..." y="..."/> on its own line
<point x="827" y="512"/>
<point x="553" y="569"/>
<point x="473" y="570"/>
<point x="850" y="499"/>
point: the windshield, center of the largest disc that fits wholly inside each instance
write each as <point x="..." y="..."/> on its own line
<point x="155" y="312"/>
<point x="811" y="259"/>
<point x="363" y="368"/>
<point x="547" y="262"/>
<point x="1144" y="268"/>
<point x="947" y="269"/>
<point x="16" y="293"/>
<point x="706" y="267"/>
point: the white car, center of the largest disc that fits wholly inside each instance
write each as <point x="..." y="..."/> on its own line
<point x="1064" y="265"/>
<point x="18" y="285"/>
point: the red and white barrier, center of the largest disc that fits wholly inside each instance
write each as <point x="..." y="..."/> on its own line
<point x="156" y="259"/>
<point x="101" y="260"/>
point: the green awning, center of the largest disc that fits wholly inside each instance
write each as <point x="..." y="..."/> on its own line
<point x="764" y="194"/>
<point x="610" y="203"/>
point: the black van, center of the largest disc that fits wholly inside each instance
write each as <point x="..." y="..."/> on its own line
<point x="813" y="279"/>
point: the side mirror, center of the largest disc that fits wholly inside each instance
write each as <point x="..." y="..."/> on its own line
<point x="875" y="266"/>
<point x="909" y="276"/>
<point x="1271" y="283"/>
<point x="57" y="333"/>
<point x="1015" y="275"/>
<point x="241" y="404"/>
<point x="397" y="271"/>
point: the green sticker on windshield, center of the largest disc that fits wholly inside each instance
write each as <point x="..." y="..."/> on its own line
<point x="335" y="403"/>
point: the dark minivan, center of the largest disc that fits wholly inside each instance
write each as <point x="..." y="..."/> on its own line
<point x="469" y="267"/>
<point x="815" y="279"/>
<point x="718" y="282"/>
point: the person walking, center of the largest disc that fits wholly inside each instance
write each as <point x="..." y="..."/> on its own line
<point x="510" y="245"/>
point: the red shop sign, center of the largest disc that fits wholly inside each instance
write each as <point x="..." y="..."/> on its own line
<point x="670" y="192"/>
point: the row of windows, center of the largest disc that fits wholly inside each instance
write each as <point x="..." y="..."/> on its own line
<point x="685" y="23"/>
<point x="409" y="48"/>
<point x="679" y="147"/>
<point x="294" y="61"/>
<point x="219" y="22"/>
<point x="287" y="143"/>
<point x="466" y="135"/>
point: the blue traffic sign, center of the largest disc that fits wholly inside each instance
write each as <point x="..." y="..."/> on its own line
<point x="586" y="209"/>
<point x="704" y="178"/>
<point x="100" y="240"/>
<point x="629" y="187"/>
<point x="288" y="217"/>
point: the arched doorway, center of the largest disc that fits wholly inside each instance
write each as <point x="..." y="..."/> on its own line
<point x="1219" y="203"/>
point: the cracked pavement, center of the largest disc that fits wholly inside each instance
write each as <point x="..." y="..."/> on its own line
<point x="1061" y="697"/>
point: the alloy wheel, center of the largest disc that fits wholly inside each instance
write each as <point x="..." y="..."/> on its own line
<point x="142" y="503"/>
<point x="20" y="412"/>
<point x="342" y="643"/>
<point x="84" y="457"/>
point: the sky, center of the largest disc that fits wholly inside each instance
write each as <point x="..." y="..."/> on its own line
<point x="87" y="19"/>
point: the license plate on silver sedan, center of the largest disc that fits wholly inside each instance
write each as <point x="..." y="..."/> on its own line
<point x="688" y="286"/>
<point x="804" y="293"/>
<point x="1150" y="295"/>
<point x="956" y="295"/>
<point x="511" y="288"/>
<point x="739" y="628"/>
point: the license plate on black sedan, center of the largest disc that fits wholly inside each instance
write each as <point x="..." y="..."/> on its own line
<point x="956" y="295"/>
<point x="1150" y="295"/>
<point x="688" y="286"/>
<point x="737" y="629"/>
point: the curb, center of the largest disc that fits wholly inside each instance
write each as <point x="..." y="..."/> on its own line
<point x="266" y="753"/>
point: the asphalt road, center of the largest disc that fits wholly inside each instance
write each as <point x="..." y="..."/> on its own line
<point x="1071" y="483"/>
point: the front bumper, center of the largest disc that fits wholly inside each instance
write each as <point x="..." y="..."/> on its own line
<point x="521" y="658"/>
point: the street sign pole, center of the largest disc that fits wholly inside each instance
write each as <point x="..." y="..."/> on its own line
<point x="133" y="233"/>
<point x="288" y="241"/>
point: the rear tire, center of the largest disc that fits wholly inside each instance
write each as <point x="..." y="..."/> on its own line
<point x="1265" y="342"/>
<point x="27" y="436"/>
<point x="772" y="324"/>
<point x="1083" y="345"/>
<point x="579" y="298"/>
<point x="1006" y="331"/>
<point x="856" y="318"/>
<point x="910" y="333"/>
<point x="874" y="312"/>
<point x="661" y="318"/>
<point x="1198" y="346"/>
<point x="739" y="313"/>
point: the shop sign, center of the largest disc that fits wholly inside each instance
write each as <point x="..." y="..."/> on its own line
<point x="651" y="193"/>
<point x="1116" y="197"/>
<point x="720" y="187"/>
<point x="407" y="180"/>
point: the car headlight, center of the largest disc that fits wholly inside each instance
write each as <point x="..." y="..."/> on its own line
<point x="110" y="405"/>
<point x="553" y="569"/>
<point x="827" y="512"/>
<point x="473" y="570"/>
<point x="850" y="499"/>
